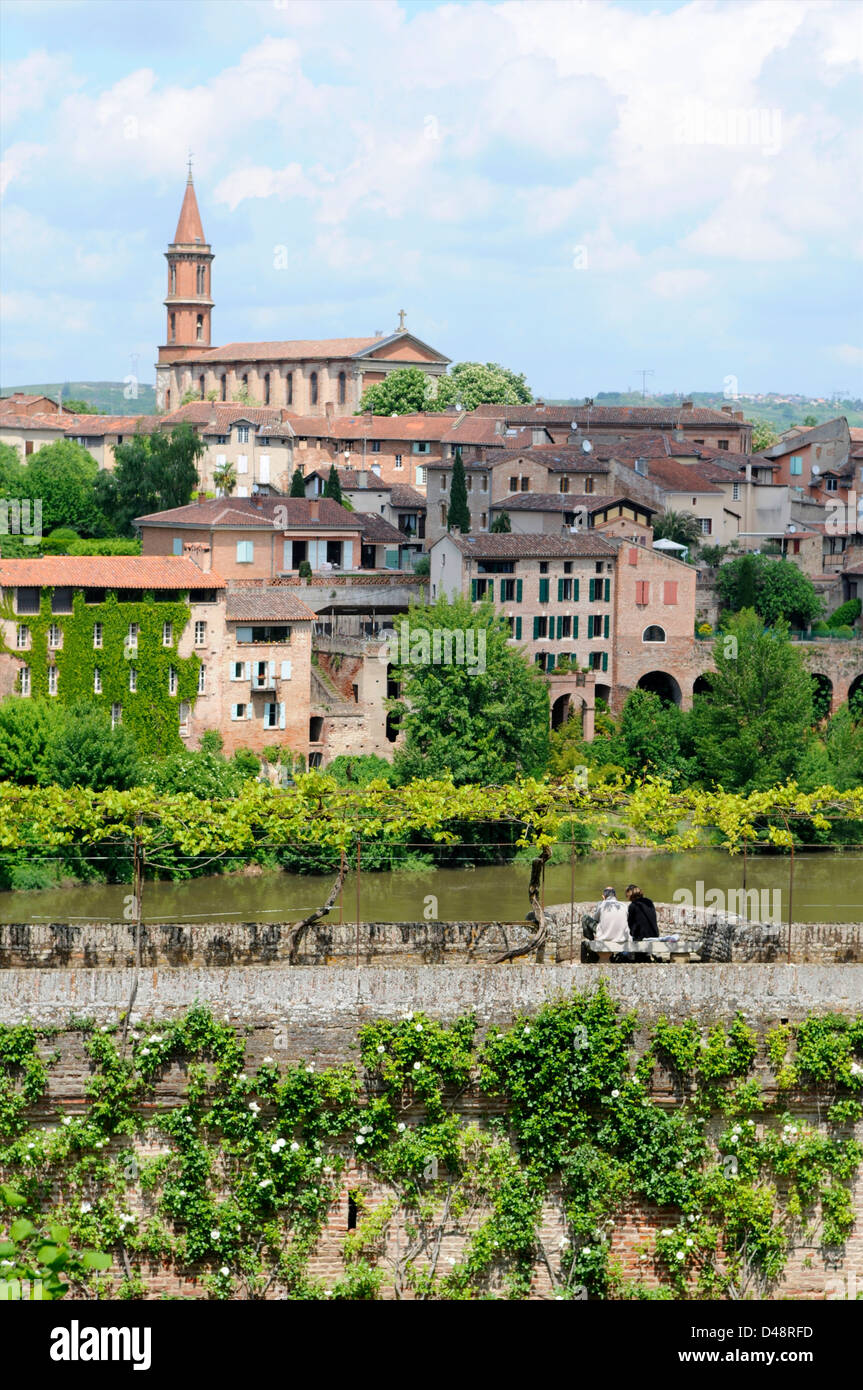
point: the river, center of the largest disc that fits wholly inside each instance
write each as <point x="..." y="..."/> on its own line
<point x="828" y="887"/>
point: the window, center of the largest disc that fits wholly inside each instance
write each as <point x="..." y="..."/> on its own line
<point x="61" y="601"/>
<point x="53" y="677"/>
<point x="443" y="513"/>
<point x="507" y="591"/>
<point x="241" y="711"/>
<point x="443" y="481"/>
<point x="588" y="485"/>
<point x="22" y="637"/>
<point x="421" y="475"/>
<point x="600" y="590"/>
<point x="513" y="484"/>
<point x="735" y="492"/>
<point x="642" y="592"/>
<point x="55" y="636"/>
<point x="97" y="681"/>
<point x="831" y="484"/>
<point x="669" y="595"/>
<point x="706" y="526"/>
<point x="242" y="435"/>
<point x="343" y="388"/>
<point x="483" y="483"/>
<point x="200" y="634"/>
<point x="185" y="713"/>
<point x="245" y="552"/>
<point x="543" y="591"/>
<point x="25" y="680"/>
<point x="264" y="634"/>
<point x="540" y="628"/>
<point x="567" y="567"/>
<point x="27" y="601"/>
<point x="313" y="388"/>
<point x="654" y="633"/>
<point x="223" y="387"/>
<point x="266" y="388"/>
<point x="173" y="336"/>
<point x="796" y="464"/>
<point x="723" y="443"/>
<point x="564" y="627"/>
<point x="172" y="680"/>
<point x="202" y="680"/>
<point x="483" y="521"/>
<point x="376" y="446"/>
<point x="525" y="484"/>
<point x="563" y="485"/>
<point x="598" y="625"/>
<point x="172" y="280"/>
<point x="481" y="588"/>
<point x="564" y="590"/>
<point x="632" y="556"/>
<point x="398" y="463"/>
<point x="543" y="567"/>
<point x="238" y="670"/>
<point x="289" y="388"/>
<point x="469" y="481"/>
<point x="132" y="637"/>
<point x="177" y="545"/>
<point x="116" y="715"/>
<point x="422" y="446"/>
<point x="201" y="388"/>
<point x="133" y="679"/>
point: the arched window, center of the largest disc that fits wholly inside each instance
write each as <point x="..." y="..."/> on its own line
<point x="173" y="327"/>
<point x="289" y="388"/>
<point x="167" y="400"/>
<point x="313" y="388"/>
<point x="266" y="388"/>
<point x="224" y="380"/>
<point x="201" y="385"/>
<point x="342" y="388"/>
<point x="654" y="633"/>
<point x="202" y="279"/>
<point x="172" y="287"/>
<point x="199" y="328"/>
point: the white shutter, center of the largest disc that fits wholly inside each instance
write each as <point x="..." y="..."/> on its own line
<point x="242" y="463"/>
<point x="248" y="670"/>
<point x="347" y="552"/>
<point x="267" y="716"/>
<point x="249" y="710"/>
<point x="264" y="468"/>
<point x="286" y="670"/>
<point x="272" y="671"/>
<point x="220" y="459"/>
<point x="242" y="492"/>
<point x="234" y="714"/>
<point x="281" y="716"/>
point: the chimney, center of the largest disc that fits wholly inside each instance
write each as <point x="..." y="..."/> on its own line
<point x="202" y="497"/>
<point x="314" y="509"/>
<point x="686" y="405"/>
<point x="727" y="410"/>
<point x="738" y="414"/>
<point x="199" y="554"/>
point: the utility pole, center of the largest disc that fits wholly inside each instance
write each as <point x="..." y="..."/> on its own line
<point x="644" y="373"/>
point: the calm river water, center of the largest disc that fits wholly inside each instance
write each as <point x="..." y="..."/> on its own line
<point x="828" y="887"/>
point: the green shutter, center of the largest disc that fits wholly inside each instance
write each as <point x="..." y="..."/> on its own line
<point x="518" y="626"/>
<point x="575" y="624"/>
<point x="559" y="626"/>
<point x="605" y="661"/>
<point x="543" y="590"/>
<point x="607" y="592"/>
<point x="518" y="589"/>
<point x="560" y="591"/>
<point x="575" y="591"/>
<point x="489" y="593"/>
<point x="550" y="666"/>
<point x="535" y="629"/>
<point x="473" y="590"/>
<point x="605" y="626"/>
<point x="591" y="590"/>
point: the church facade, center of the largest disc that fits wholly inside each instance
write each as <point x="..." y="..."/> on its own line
<point x="309" y="376"/>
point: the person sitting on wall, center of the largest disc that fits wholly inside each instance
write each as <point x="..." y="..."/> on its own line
<point x="612" y="925"/>
<point x="641" y="915"/>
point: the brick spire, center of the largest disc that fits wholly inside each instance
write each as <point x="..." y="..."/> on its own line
<point x="189" y="228"/>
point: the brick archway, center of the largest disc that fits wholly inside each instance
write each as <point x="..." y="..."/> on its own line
<point x="663" y="684"/>
<point x="572" y="693"/>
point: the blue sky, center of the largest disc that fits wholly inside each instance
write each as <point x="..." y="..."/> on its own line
<point x="577" y="190"/>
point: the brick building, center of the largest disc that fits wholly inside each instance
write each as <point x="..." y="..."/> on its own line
<point x="719" y="429"/>
<point x="305" y="375"/>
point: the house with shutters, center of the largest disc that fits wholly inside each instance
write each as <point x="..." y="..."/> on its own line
<point x="265" y="665"/>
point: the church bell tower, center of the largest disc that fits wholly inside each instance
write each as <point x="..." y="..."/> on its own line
<point x="188" y="302"/>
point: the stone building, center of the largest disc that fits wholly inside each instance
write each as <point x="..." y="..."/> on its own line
<point x="718" y="429"/>
<point x="305" y="375"/>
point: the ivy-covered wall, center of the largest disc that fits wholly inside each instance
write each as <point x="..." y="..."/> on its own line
<point x="150" y="711"/>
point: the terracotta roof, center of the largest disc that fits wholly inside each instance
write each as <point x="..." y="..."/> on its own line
<point x="506" y="545"/>
<point x="378" y="531"/>
<point x="112" y="424"/>
<point x="403" y="495"/>
<point x="10" y="421"/>
<point x="283" y="513"/>
<point x="217" y="417"/>
<point x="109" y="572"/>
<point x="565" y="502"/>
<point x="189" y="228"/>
<point x="287" y="350"/>
<point x="19" y="399"/>
<point x="674" y="476"/>
<point x="266" y="605"/>
<point x="605" y="416"/>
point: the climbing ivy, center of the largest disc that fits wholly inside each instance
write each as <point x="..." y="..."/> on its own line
<point x="150" y="711"/>
<point x="238" y="1181"/>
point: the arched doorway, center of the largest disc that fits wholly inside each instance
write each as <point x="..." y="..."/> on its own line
<point x="701" y="685"/>
<point x="561" y="710"/>
<point x="663" y="685"/>
<point x="855" y="697"/>
<point x="822" y="695"/>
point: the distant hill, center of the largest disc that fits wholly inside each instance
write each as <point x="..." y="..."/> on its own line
<point x="106" y="397"/>
<point x="780" y="411"/>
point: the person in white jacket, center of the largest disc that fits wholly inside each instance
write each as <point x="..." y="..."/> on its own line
<point x="613" y="926"/>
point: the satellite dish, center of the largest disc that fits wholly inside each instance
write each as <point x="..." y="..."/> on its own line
<point x="816" y="469"/>
<point x="586" y="446"/>
<point x="573" y="425"/>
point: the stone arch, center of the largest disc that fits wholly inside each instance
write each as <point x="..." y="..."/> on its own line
<point x="701" y="684"/>
<point x="663" y="685"/>
<point x="822" y="694"/>
<point x="561" y="710"/>
<point x="603" y="692"/>
<point x="653" y="633"/>
<point x="856" y="688"/>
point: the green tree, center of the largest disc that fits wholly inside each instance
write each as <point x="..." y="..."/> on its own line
<point x="652" y="738"/>
<point x="225" y="477"/>
<point x="333" y="487"/>
<point x="501" y="524"/>
<point x="298" y="483"/>
<point x="27" y="729"/>
<point x="154" y="472"/>
<point x="781" y="590"/>
<point x="62" y="476"/>
<point x="81" y="407"/>
<point x="11" y="471"/>
<point x="484" y="720"/>
<point x="682" y="527"/>
<point x="458" y="513"/>
<point x="836" y="760"/>
<point x="764" y="435"/>
<point x="402" y="392"/>
<point x="470" y="384"/>
<point x="752" y="726"/>
<point x="87" y="752"/>
<point x="809" y="421"/>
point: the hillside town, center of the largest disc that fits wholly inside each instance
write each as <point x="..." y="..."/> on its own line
<point x="290" y="597"/>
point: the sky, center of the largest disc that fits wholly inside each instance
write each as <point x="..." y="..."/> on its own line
<point x="580" y="191"/>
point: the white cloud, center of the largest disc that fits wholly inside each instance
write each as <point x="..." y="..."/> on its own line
<point x="18" y="162"/>
<point x="28" y="84"/>
<point x="678" y="284"/>
<point x="848" y="354"/>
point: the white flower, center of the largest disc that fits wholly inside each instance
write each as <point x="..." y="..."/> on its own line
<point x="6" y="1263"/>
<point x="642" y="1257"/>
<point x="585" y="1250"/>
<point x="679" y="1255"/>
<point x="182" y="1192"/>
<point x="145" y="1051"/>
<point x="215" y="1234"/>
<point x="526" y="1031"/>
<point x="409" y="1016"/>
<point x="365" y="1129"/>
<point x="856" y="1069"/>
<point x="316" y="1162"/>
<point x="418" y="1027"/>
<point x="417" y="1066"/>
<point x="224" y="1270"/>
<point x="295" y="1148"/>
<point x="267" y="1061"/>
<point x="67" y="1119"/>
<point x="733" y="1139"/>
<point x="668" y="1232"/>
<point x="127" y="1220"/>
<point x="99" y="1144"/>
<point x="381" y="1048"/>
<point x="690" y="1217"/>
<point x="105" y="1027"/>
<point x="614" y="1095"/>
<point x="241" y="1076"/>
<point x="310" y="1068"/>
<point x="361" y="1138"/>
<point x="86" y="1206"/>
<point x="402" y="1127"/>
<point x="266" y="1182"/>
<point x="254" y="1107"/>
<point x="31" y="1146"/>
<point x="690" y="1241"/>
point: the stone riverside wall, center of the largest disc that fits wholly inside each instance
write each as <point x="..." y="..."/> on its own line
<point x="314" y="1014"/>
<point x="112" y="944"/>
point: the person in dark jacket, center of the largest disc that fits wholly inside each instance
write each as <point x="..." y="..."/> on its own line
<point x="641" y="914"/>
